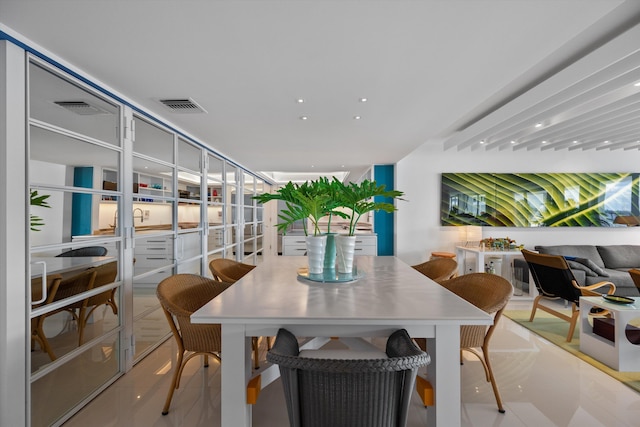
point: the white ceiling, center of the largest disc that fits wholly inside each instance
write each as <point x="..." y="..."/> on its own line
<point x="449" y="72"/>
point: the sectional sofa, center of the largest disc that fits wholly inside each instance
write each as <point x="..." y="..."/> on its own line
<point x="592" y="264"/>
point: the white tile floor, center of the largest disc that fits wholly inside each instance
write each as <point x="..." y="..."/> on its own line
<point x="541" y="385"/>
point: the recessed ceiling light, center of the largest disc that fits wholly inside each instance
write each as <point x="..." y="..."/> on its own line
<point x="357" y="117"/>
<point x="575" y="142"/>
<point x="538" y="125"/>
<point x="363" y="99"/>
<point x="300" y="100"/>
<point x="606" y="142"/>
<point x="512" y="141"/>
<point x="544" y="142"/>
<point x="303" y="117"/>
<point x="482" y="142"/>
<point x="637" y="84"/>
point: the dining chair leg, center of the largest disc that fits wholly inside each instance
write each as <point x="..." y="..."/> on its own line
<point x="174" y="383"/>
<point x="492" y="379"/>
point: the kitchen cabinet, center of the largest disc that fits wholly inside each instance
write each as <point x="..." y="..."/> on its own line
<point x="366" y="244"/>
<point x="152" y="253"/>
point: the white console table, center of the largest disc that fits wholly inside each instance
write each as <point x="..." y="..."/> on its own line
<point x="482" y="255"/>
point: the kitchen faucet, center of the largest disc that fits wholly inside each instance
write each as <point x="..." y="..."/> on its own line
<point x="141" y="217"/>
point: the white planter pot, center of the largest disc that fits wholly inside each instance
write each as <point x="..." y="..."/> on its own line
<point x="315" y="253"/>
<point x="345" y="249"/>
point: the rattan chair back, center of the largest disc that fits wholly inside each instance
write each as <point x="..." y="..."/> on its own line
<point x="438" y="269"/>
<point x="227" y="270"/>
<point x="488" y="292"/>
<point x="348" y="392"/>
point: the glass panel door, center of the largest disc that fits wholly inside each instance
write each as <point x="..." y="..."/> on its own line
<point x="154" y="201"/>
<point x="75" y="256"/>
<point x="190" y="202"/>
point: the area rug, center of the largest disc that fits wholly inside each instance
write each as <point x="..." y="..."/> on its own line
<point x="555" y="330"/>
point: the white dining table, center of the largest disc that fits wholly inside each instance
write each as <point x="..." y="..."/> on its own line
<point x="390" y="295"/>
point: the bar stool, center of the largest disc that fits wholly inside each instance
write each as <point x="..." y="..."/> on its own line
<point x="442" y="255"/>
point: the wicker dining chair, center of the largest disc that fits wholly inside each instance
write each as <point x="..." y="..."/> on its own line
<point x="180" y="296"/>
<point x="490" y="293"/>
<point x="371" y="392"/>
<point x="228" y="270"/>
<point x="438" y="269"/>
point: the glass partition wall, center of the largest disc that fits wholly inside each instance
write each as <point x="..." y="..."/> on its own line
<point x="133" y="202"/>
<point x="75" y="258"/>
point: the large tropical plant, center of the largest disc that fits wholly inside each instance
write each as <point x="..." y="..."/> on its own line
<point x="359" y="199"/>
<point x="311" y="200"/>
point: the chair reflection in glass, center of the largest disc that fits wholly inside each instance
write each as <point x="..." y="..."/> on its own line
<point x="59" y="289"/>
<point x="105" y="275"/>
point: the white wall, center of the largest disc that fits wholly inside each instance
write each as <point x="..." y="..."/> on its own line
<point x="418" y="231"/>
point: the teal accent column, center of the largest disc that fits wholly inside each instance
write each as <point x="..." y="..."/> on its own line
<point x="383" y="222"/>
<point x="81" y="203"/>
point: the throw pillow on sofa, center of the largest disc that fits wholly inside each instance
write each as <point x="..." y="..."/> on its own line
<point x="575" y="265"/>
<point x="593" y="266"/>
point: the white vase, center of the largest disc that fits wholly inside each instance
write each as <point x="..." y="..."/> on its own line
<point x="316" y="246"/>
<point x="345" y="249"/>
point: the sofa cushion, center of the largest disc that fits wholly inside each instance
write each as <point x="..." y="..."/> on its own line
<point x="576" y="251"/>
<point x="620" y="256"/>
<point x="598" y="271"/>
<point x="575" y="265"/>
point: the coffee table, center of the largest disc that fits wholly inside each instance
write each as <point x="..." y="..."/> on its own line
<point x="620" y="354"/>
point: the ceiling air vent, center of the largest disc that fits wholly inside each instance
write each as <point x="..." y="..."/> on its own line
<point x="80" y="107"/>
<point x="182" y="106"/>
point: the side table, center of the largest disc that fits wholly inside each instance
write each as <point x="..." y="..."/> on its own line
<point x="481" y="255"/>
<point x="619" y="354"/>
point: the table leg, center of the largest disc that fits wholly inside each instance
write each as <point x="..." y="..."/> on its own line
<point x="444" y="374"/>
<point x="235" y="375"/>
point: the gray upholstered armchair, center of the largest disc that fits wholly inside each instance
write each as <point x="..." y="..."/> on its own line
<point x="348" y="392"/>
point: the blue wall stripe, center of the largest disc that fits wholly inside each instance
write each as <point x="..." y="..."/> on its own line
<point x="383" y="222"/>
<point x="81" y="203"/>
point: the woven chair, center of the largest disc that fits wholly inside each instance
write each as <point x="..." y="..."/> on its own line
<point x="230" y="271"/>
<point x="438" y="269"/>
<point x="322" y="392"/>
<point x="490" y="293"/>
<point x="180" y="296"/>
<point x="66" y="288"/>
<point x="86" y="251"/>
<point x="105" y="275"/>
<point x="227" y="270"/>
<point x="554" y="280"/>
